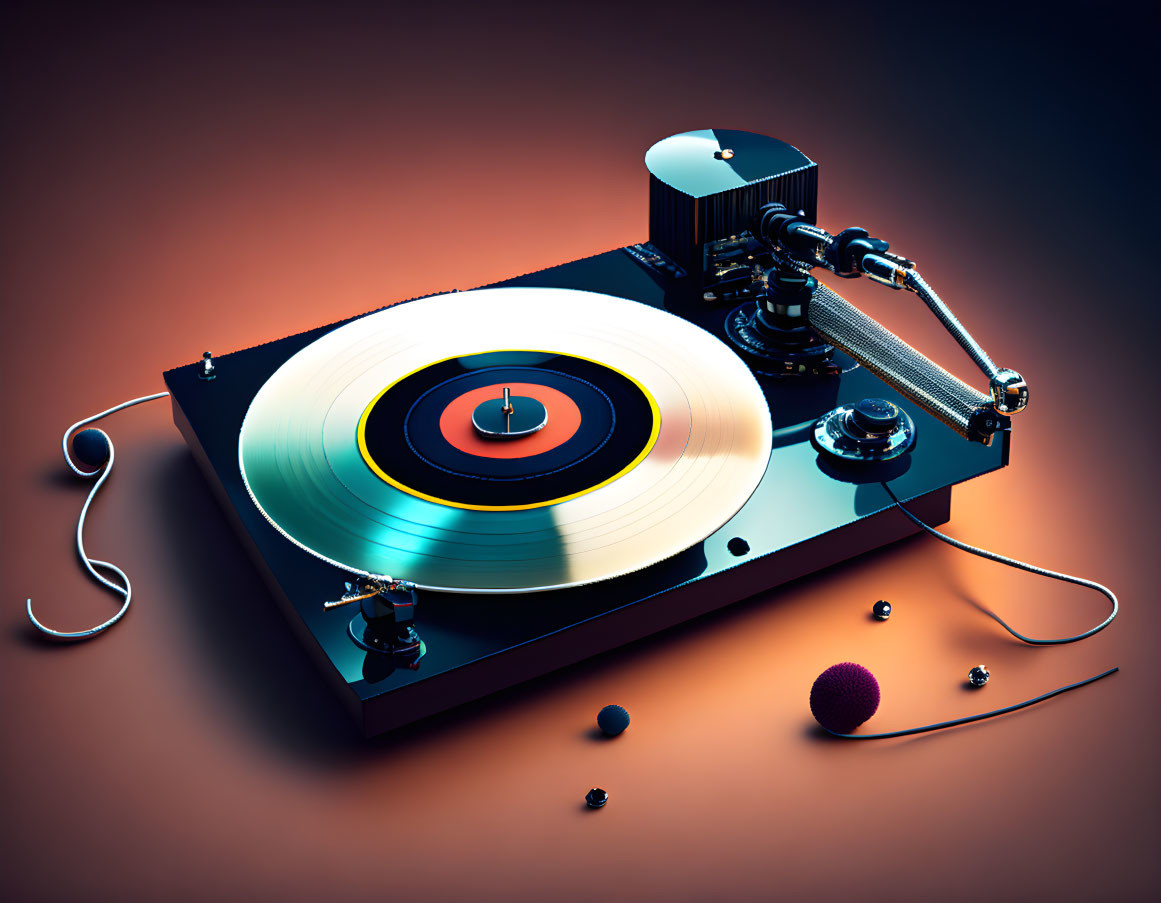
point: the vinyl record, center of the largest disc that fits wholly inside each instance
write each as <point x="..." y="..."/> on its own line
<point x="641" y="435"/>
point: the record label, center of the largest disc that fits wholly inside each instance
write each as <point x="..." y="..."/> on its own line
<point x="402" y="432"/>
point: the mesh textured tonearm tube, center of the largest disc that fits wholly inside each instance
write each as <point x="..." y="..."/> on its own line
<point x="949" y="398"/>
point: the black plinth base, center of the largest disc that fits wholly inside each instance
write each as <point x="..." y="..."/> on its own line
<point x="806" y="514"/>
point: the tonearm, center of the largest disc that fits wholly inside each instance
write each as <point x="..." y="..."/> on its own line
<point x="798" y="246"/>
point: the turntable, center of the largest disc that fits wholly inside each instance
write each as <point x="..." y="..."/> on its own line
<point x="463" y="491"/>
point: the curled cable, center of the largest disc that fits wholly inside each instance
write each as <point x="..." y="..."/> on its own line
<point x="1023" y="566"/>
<point x="124" y="588"/>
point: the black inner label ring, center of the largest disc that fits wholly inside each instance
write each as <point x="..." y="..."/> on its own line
<point x="401" y="439"/>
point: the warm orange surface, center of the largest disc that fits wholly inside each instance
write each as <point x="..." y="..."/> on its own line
<point x="174" y="182"/>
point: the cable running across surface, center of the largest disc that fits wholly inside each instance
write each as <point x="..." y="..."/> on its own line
<point x="122" y="588"/>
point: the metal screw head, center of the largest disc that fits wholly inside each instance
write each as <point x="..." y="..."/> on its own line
<point x="596" y="798"/>
<point x="978" y="676"/>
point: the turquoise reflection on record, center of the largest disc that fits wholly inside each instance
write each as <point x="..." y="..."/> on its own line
<point x="302" y="466"/>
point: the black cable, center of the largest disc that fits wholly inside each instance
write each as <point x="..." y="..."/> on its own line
<point x="971" y="718"/>
<point x="1023" y="566"/>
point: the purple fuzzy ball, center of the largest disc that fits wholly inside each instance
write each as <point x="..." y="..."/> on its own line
<point x="843" y="697"/>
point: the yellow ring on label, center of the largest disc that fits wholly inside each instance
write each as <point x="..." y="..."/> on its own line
<point x="379" y="472"/>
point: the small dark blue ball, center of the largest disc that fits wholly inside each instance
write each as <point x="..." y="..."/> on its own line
<point x="91" y="447"/>
<point x="612" y="720"/>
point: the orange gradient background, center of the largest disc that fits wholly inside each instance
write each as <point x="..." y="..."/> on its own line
<point x="184" y="178"/>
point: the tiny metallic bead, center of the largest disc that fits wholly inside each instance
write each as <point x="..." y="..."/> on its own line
<point x="978" y="676"/>
<point x="881" y="610"/>
<point x="596" y="798"/>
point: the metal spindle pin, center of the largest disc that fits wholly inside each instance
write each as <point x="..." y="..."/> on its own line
<point x="507" y="409"/>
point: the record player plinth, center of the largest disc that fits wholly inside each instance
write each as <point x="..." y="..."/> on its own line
<point x="805" y="515"/>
